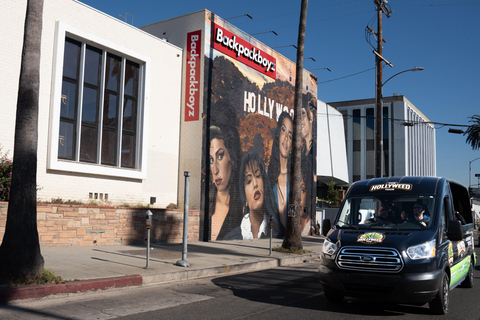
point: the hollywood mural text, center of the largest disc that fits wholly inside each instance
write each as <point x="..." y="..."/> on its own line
<point x="253" y="103"/>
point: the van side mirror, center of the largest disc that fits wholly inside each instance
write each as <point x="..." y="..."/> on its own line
<point x="455" y="231"/>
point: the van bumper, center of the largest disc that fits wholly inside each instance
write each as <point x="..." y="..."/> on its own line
<point x="400" y="287"/>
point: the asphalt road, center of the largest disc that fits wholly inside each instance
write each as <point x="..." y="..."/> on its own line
<point x="280" y="293"/>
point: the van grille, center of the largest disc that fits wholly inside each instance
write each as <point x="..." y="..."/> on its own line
<point x="370" y="259"/>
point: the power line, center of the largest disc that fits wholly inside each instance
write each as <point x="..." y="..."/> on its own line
<point x="403" y="122"/>
<point x="350" y="75"/>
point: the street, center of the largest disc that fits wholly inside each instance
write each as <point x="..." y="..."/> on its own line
<point x="291" y="292"/>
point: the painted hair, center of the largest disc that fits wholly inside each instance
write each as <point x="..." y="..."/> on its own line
<point x="274" y="164"/>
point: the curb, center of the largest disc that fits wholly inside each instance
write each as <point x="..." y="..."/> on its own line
<point x="40" y="291"/>
<point x="9" y="294"/>
<point x="227" y="269"/>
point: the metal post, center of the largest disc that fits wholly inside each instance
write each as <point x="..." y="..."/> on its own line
<point x="148" y="247"/>
<point x="379" y="104"/>
<point x="149" y="225"/>
<point x="270" y="226"/>
<point x="184" y="262"/>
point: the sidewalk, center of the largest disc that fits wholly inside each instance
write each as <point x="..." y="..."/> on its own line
<point x="101" y="267"/>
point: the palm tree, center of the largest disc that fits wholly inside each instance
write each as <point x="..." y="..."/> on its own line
<point x="473" y="132"/>
<point x="293" y="236"/>
<point x="20" y="250"/>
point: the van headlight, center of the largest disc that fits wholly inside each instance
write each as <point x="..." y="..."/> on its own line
<point x="329" y="248"/>
<point x="422" y="251"/>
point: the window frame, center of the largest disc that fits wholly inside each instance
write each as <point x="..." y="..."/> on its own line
<point x="54" y="162"/>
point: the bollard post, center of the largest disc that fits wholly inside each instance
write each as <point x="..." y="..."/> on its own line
<point x="184" y="262"/>
<point x="149" y="225"/>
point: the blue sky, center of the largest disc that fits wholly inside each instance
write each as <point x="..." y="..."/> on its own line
<point x="442" y="36"/>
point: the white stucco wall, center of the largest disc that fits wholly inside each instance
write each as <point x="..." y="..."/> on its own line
<point x="158" y="176"/>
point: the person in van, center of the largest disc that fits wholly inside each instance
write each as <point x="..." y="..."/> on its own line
<point x="419" y="214"/>
<point x="460" y="218"/>
<point x="384" y="215"/>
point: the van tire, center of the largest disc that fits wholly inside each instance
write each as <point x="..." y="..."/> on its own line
<point x="441" y="303"/>
<point x="332" y="295"/>
<point x="468" y="282"/>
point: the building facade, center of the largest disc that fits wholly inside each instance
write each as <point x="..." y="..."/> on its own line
<point x="109" y="106"/>
<point x="408" y="138"/>
<point x="238" y="96"/>
<point x="125" y="112"/>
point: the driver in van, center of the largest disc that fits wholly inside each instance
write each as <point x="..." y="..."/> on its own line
<point x="384" y="215"/>
<point x="419" y="213"/>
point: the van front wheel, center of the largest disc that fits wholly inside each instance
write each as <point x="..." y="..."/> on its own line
<point x="440" y="304"/>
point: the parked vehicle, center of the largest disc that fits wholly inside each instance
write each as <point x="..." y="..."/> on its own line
<point x="403" y="239"/>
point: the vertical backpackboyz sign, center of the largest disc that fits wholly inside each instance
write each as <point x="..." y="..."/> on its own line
<point x="192" y="83"/>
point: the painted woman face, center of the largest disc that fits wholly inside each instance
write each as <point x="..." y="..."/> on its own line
<point x="306" y="123"/>
<point x="303" y="194"/>
<point x="220" y="164"/>
<point x="253" y="182"/>
<point x="286" y="133"/>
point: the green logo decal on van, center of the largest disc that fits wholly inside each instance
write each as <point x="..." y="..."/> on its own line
<point x="371" y="238"/>
<point x="392" y="186"/>
<point x="460" y="270"/>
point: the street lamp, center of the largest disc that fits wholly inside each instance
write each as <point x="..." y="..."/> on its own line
<point x="379" y="118"/>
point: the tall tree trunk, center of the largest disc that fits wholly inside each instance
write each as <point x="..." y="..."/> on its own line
<point x="293" y="236"/>
<point x="20" y="250"/>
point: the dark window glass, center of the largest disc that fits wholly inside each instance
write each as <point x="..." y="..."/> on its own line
<point x="357" y="145"/>
<point x="92" y="65"/>
<point x="92" y="89"/>
<point x="69" y="100"/>
<point x="129" y="115"/>
<point x="112" y="74"/>
<point x="128" y="151"/>
<point x="90" y="105"/>
<point x="66" y="140"/>
<point x="88" y="144"/>
<point x="110" y="110"/>
<point x="131" y="79"/>
<point x="71" y="58"/>
<point x="109" y="147"/>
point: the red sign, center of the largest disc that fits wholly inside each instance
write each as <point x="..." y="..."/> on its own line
<point x="241" y="50"/>
<point x="192" y="83"/>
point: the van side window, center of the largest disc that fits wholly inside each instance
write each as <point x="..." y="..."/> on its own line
<point x="444" y="217"/>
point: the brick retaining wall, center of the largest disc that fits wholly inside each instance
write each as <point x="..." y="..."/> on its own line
<point x="71" y="225"/>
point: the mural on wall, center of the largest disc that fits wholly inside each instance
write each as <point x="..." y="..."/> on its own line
<point x="248" y="128"/>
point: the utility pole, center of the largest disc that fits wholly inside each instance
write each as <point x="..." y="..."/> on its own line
<point x="381" y="8"/>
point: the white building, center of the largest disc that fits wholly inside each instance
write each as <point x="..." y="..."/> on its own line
<point x="408" y="138"/>
<point x="109" y="108"/>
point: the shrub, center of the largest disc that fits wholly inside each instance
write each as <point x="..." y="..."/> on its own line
<point x="5" y="176"/>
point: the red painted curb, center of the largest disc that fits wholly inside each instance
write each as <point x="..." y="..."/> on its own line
<point x="40" y="291"/>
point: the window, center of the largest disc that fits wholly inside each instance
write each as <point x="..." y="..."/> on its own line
<point x="99" y="107"/>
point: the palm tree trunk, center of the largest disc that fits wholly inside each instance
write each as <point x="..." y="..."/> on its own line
<point x="20" y="250"/>
<point x="293" y="236"/>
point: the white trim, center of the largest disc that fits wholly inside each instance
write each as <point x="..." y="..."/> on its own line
<point x="53" y="163"/>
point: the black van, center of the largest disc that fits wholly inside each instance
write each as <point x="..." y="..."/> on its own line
<point x="403" y="239"/>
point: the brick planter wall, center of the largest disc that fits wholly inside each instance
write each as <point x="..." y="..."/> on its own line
<point x="70" y="225"/>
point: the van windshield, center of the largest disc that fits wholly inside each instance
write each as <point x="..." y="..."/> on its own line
<point x="404" y="212"/>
